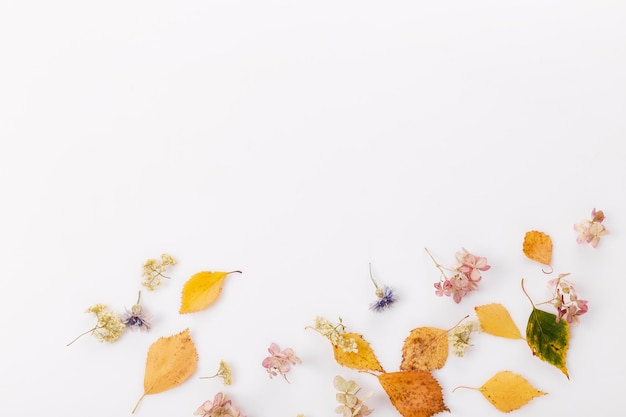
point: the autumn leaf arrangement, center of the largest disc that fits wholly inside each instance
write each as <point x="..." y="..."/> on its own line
<point x="413" y="390"/>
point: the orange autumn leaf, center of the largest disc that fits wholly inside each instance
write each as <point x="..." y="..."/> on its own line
<point x="508" y="391"/>
<point x="201" y="290"/>
<point x="538" y="247"/>
<point x="496" y="320"/>
<point x="413" y="393"/>
<point x="363" y="360"/>
<point x="171" y="361"/>
<point x="425" y="349"/>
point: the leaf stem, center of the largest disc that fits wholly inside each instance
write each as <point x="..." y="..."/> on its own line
<point x="459" y="322"/>
<point x="527" y="296"/>
<point x="137" y="405"/>
<point x="463" y="386"/>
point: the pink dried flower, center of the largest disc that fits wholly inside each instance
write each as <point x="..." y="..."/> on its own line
<point x="465" y="278"/>
<point x="590" y="231"/>
<point x="219" y="407"/>
<point x="280" y="361"/>
<point x="566" y="301"/>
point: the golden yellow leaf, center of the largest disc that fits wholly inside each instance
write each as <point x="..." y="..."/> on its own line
<point x="201" y="290"/>
<point x="496" y="320"/>
<point x="413" y="393"/>
<point x="171" y="361"/>
<point x="538" y="247"/>
<point x="425" y="349"/>
<point x="508" y="391"/>
<point x="363" y="360"/>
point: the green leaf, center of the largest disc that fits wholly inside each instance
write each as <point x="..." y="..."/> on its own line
<point x="548" y="339"/>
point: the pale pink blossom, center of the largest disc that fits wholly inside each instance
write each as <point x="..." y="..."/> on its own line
<point x="566" y="302"/>
<point x="467" y="274"/>
<point x="280" y="361"/>
<point x="219" y="407"/>
<point x="590" y="231"/>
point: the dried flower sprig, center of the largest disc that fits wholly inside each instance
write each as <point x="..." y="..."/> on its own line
<point x="223" y="372"/>
<point x="351" y="405"/>
<point x="137" y="318"/>
<point x="385" y="294"/>
<point x="590" y="231"/>
<point x="465" y="278"/>
<point x="335" y="333"/>
<point x="153" y="270"/>
<point x="109" y="327"/>
<point x="280" y="361"/>
<point x="219" y="407"/>
<point x="459" y="337"/>
<point x="565" y="299"/>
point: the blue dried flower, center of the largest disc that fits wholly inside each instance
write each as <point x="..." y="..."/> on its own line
<point x="136" y="318"/>
<point x="386" y="298"/>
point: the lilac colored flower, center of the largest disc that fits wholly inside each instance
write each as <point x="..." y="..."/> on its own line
<point x="385" y="294"/>
<point x="136" y="318"/>
<point x="386" y="298"/>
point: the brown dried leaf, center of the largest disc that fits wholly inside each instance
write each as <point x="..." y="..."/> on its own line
<point x="496" y="320"/>
<point x="413" y="393"/>
<point x="538" y="247"/>
<point x="425" y="349"/>
<point x="363" y="360"/>
<point x="171" y="361"/>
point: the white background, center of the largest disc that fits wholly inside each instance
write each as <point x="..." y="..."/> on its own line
<point x="298" y="141"/>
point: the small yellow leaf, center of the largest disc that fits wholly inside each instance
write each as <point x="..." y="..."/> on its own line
<point x="496" y="320"/>
<point x="538" y="247"/>
<point x="425" y="349"/>
<point x="171" y="361"/>
<point x="363" y="360"/>
<point x="508" y="391"/>
<point x="413" y="393"/>
<point x="201" y="290"/>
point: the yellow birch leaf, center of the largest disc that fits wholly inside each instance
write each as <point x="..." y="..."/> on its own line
<point x="171" y="361"/>
<point x="508" y="391"/>
<point x="413" y="393"/>
<point x="496" y="320"/>
<point x="425" y="349"/>
<point x="538" y="247"/>
<point x="201" y="290"/>
<point x="363" y="360"/>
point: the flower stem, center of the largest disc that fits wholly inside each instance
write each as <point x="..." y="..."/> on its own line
<point x="372" y="278"/>
<point x="437" y="264"/>
<point x="82" y="334"/>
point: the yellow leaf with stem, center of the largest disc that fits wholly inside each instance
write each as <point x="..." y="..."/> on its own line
<point x="413" y="393"/>
<point x="507" y="391"/>
<point x="364" y="359"/>
<point x="425" y="349"/>
<point x="538" y="247"/>
<point x="496" y="320"/>
<point x="201" y="290"/>
<point x="171" y="361"/>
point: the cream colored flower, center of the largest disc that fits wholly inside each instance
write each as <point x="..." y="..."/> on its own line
<point x="153" y="271"/>
<point x="109" y="327"/>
